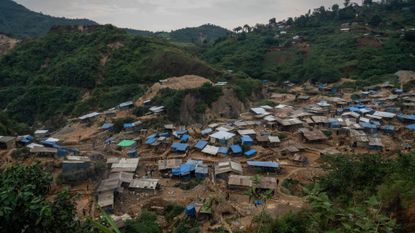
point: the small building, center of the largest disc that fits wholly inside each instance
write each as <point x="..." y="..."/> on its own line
<point x="210" y="150"/>
<point x="144" y="184"/>
<point x="179" y="147"/>
<point x="126" y="105"/>
<point x="225" y="167"/>
<point x="247" y="140"/>
<point x="244" y="182"/>
<point x="124" y="177"/>
<point x="111" y="184"/>
<point x="243" y="132"/>
<point x="184" y="138"/>
<point x="223" y="150"/>
<point x="267" y="166"/>
<point x="202" y="171"/>
<point x="222" y="138"/>
<point x="44" y="151"/>
<point x="375" y="144"/>
<point x="369" y="127"/>
<point x="125" y="165"/>
<point x="236" y="149"/>
<point x="69" y="166"/>
<point x="389" y="129"/>
<point x="106" y="200"/>
<point x="7" y="142"/>
<point x="41" y="133"/>
<point x="250" y="153"/>
<point x="201" y="144"/>
<point x="289" y="124"/>
<point x="127" y="143"/>
<point x="358" y="138"/>
<point x="314" y="135"/>
<point x="107" y="126"/>
<point x="169" y="164"/>
<point x="89" y="117"/>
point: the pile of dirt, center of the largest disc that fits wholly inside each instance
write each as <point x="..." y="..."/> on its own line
<point x="176" y="83"/>
<point x="405" y="76"/>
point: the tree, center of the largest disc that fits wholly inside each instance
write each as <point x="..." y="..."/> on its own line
<point x="272" y="22"/>
<point x="24" y="207"/>
<point x="367" y="2"/>
<point x="247" y="28"/>
<point x="375" y="21"/>
<point x="237" y="29"/>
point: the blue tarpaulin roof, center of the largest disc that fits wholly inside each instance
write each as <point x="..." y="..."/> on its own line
<point x="411" y="127"/>
<point x="368" y="125"/>
<point x="107" y="126"/>
<point x="183" y="170"/>
<point x="236" y="149"/>
<point x="246" y="139"/>
<point x="201" y="144"/>
<point x="185" y="138"/>
<point x="26" y="139"/>
<point x="181" y="147"/>
<point x="223" y="150"/>
<point x="250" y="152"/>
<point x="128" y="125"/>
<point x="263" y="164"/>
<point x="406" y="117"/>
<point x="181" y="132"/>
<point x="150" y="141"/>
<point x="152" y="136"/>
<point x="389" y="127"/>
<point x="165" y="134"/>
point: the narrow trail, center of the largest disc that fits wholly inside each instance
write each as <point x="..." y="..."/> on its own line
<point x="285" y="196"/>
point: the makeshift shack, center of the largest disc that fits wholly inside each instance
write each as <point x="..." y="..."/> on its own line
<point x="245" y="182"/>
<point x="7" y="143"/>
<point x="264" y="166"/>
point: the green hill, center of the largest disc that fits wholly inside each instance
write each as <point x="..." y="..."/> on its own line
<point x="377" y="40"/>
<point x="18" y="21"/>
<point x="69" y="72"/>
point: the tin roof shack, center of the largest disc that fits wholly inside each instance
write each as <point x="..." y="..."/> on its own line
<point x="224" y="168"/>
<point x="144" y="184"/>
<point x="358" y="138"/>
<point x="179" y="147"/>
<point x="41" y="133"/>
<point x="44" y="151"/>
<point x="187" y="169"/>
<point x="321" y="121"/>
<point x="222" y="138"/>
<point x="247" y="140"/>
<point x="375" y="144"/>
<point x="245" y="182"/>
<point x="106" y="200"/>
<point x="168" y="164"/>
<point x="74" y="164"/>
<point x="201" y="171"/>
<point x="210" y="150"/>
<point x="126" y="105"/>
<point x="264" y="166"/>
<point x="314" y="135"/>
<point x="7" y="142"/>
<point x="290" y="124"/>
<point x="125" y="165"/>
<point x="89" y="117"/>
<point x="124" y="177"/>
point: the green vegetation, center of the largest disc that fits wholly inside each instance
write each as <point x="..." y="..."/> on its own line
<point x="172" y="210"/>
<point x="71" y="73"/>
<point x="24" y="207"/>
<point x="321" y="52"/>
<point x="145" y="223"/>
<point x="358" y="193"/>
<point x="16" y="20"/>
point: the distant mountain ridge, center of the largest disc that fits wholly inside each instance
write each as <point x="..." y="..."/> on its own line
<point x="18" y="21"/>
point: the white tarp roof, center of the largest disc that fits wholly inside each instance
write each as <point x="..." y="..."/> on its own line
<point x="89" y="115"/>
<point x="41" y="131"/>
<point x="259" y="111"/>
<point x="246" y="132"/>
<point x="222" y="135"/>
<point x="211" y="150"/>
<point x="384" y="114"/>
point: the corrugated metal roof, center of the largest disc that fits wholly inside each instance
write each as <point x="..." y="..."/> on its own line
<point x="201" y="144"/>
<point x="211" y="150"/>
<point x="270" y="164"/>
<point x="144" y="184"/>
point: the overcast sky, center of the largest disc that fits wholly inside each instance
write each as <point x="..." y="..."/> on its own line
<point x="168" y="15"/>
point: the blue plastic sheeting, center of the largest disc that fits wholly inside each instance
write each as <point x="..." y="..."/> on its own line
<point x="128" y="125"/>
<point x="389" y="128"/>
<point x="236" y="149"/>
<point x="190" y="210"/>
<point x="334" y="123"/>
<point x="179" y="147"/>
<point x="250" y="152"/>
<point x="26" y="139"/>
<point x="223" y="150"/>
<point x="269" y="164"/>
<point x="368" y="125"/>
<point x="259" y="202"/>
<point x="411" y="127"/>
<point x="183" y="170"/>
<point x="181" y="132"/>
<point x="152" y="136"/>
<point x="201" y="144"/>
<point x="132" y="153"/>
<point x="247" y="140"/>
<point x="403" y="117"/>
<point x="150" y="141"/>
<point x="106" y="126"/>
<point x="165" y="134"/>
<point x="50" y="144"/>
<point x="185" y="138"/>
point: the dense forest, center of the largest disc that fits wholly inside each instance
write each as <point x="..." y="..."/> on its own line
<point x="51" y="75"/>
<point x="361" y="42"/>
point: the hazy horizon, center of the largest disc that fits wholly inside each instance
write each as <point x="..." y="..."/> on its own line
<point x="166" y="15"/>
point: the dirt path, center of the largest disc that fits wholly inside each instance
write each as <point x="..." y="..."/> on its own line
<point x="285" y="196"/>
